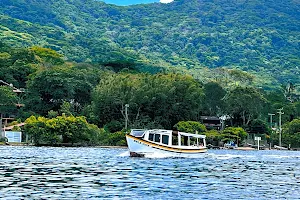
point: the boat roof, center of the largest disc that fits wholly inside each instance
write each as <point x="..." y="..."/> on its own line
<point x="192" y="135"/>
<point x="140" y="132"/>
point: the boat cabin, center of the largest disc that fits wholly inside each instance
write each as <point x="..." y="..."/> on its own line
<point x="170" y="138"/>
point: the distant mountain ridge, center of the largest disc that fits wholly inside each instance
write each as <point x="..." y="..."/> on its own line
<point x="257" y="36"/>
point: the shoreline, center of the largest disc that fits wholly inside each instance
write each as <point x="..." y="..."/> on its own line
<point x="124" y="147"/>
<point x="59" y="145"/>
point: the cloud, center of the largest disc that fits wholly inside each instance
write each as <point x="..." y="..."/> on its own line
<point x="166" y="1"/>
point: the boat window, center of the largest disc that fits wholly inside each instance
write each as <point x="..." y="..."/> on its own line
<point x="157" y="138"/>
<point x="151" y="135"/>
<point x="175" y="140"/>
<point x="165" y="139"/>
<point x="193" y="141"/>
<point x="137" y="133"/>
<point x="184" y="140"/>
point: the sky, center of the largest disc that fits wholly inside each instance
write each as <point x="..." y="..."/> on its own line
<point x="131" y="2"/>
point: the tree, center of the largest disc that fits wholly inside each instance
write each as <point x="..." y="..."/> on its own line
<point x="236" y="134"/>
<point x="47" y="56"/>
<point x="66" y="129"/>
<point x="8" y="99"/>
<point x="163" y="98"/>
<point x="245" y="103"/>
<point x="190" y="127"/>
<point x="16" y="64"/>
<point x="240" y="76"/>
<point x="35" y="127"/>
<point x="50" y="88"/>
<point x="291" y="133"/>
<point x="213" y="137"/>
<point x="213" y="100"/>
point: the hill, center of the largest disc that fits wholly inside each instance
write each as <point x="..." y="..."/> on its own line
<point x="261" y="37"/>
<point x="128" y="2"/>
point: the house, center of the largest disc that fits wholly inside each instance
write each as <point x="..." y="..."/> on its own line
<point x="211" y="122"/>
<point x="6" y="118"/>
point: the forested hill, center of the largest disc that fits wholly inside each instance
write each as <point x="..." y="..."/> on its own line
<point x="262" y="37"/>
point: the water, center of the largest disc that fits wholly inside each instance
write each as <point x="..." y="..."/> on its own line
<point x="96" y="173"/>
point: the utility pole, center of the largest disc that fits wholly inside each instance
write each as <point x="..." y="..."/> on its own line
<point x="1" y="128"/>
<point x="280" y="113"/>
<point x="126" y="115"/>
<point x="271" y="119"/>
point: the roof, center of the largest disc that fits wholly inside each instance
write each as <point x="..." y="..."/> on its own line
<point x="16" y="90"/>
<point x="169" y="132"/>
<point x="192" y="135"/>
<point x="210" y="117"/>
<point x="11" y="127"/>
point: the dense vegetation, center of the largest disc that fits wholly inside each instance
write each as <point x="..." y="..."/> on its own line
<point x="63" y="100"/>
<point x="261" y="37"/>
<point x="82" y="61"/>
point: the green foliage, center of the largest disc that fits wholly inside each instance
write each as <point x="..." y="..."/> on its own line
<point x="214" y="94"/>
<point x="46" y="55"/>
<point x="3" y="139"/>
<point x="237" y="134"/>
<point x="259" y="126"/>
<point x="49" y="89"/>
<point x="291" y="133"/>
<point x="213" y="137"/>
<point x="113" y="139"/>
<point x="190" y="127"/>
<point x="253" y="36"/>
<point x="113" y="126"/>
<point x="16" y="128"/>
<point x="8" y="99"/>
<point x="66" y="108"/>
<point x="246" y="103"/>
<point x="66" y="129"/>
<point x="162" y="98"/>
<point x="52" y="114"/>
<point x="16" y="64"/>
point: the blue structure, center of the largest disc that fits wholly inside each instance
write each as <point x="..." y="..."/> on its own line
<point x="13" y="136"/>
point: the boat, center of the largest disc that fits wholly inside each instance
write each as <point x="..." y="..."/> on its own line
<point x="280" y="148"/>
<point x="142" y="142"/>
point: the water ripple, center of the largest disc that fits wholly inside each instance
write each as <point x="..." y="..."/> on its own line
<point x="95" y="173"/>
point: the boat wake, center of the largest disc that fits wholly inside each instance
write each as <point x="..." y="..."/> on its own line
<point x="228" y="156"/>
<point x="282" y="156"/>
<point x="209" y="155"/>
<point x="125" y="154"/>
<point x="166" y="155"/>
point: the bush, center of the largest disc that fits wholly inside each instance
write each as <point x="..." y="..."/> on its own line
<point x="236" y="134"/>
<point x="113" y="126"/>
<point x="213" y="137"/>
<point x="3" y="139"/>
<point x="190" y="127"/>
<point x="66" y="129"/>
<point x="52" y="114"/>
<point x="113" y="139"/>
<point x="291" y="133"/>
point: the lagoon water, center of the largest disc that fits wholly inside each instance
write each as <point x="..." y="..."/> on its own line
<point x="99" y="173"/>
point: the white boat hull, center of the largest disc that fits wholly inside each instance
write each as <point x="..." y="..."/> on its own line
<point x="139" y="147"/>
<point x="280" y="148"/>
